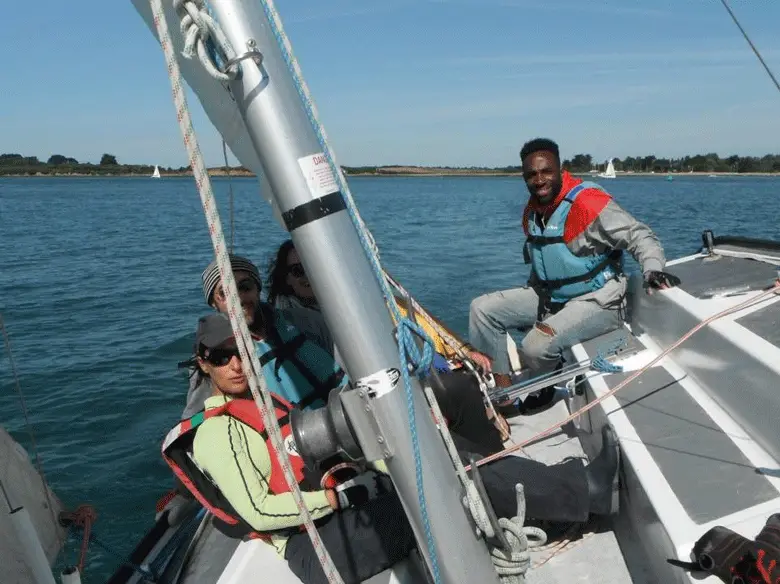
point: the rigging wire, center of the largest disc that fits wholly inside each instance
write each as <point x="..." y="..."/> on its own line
<point x="230" y="191"/>
<point x="752" y="46"/>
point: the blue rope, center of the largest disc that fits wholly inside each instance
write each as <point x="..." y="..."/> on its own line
<point x="408" y="351"/>
<point x="600" y="363"/>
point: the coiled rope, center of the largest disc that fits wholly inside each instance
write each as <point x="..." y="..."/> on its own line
<point x="511" y="565"/>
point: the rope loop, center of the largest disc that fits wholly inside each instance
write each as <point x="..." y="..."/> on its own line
<point x="83" y="517"/>
<point x="417" y="359"/>
<point x="200" y="30"/>
<point x="511" y="565"/>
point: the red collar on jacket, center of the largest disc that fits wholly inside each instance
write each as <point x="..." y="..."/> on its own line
<point x="587" y="206"/>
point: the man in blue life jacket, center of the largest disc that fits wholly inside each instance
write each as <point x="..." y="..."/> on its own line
<point x="576" y="234"/>
<point x="295" y="368"/>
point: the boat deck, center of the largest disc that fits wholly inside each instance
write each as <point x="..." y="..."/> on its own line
<point x="593" y="553"/>
<point x="700" y="445"/>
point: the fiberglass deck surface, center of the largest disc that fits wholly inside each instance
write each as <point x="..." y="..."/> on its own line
<point x="706" y="274"/>
<point x="594" y="554"/>
<point x="764" y="322"/>
<point x="691" y="450"/>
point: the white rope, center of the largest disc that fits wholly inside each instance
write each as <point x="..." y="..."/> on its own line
<point x="249" y="360"/>
<point x="512" y="566"/>
<point x="198" y="27"/>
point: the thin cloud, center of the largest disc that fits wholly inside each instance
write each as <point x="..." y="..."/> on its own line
<point x="480" y="110"/>
<point x="344" y="10"/>
<point x="584" y="6"/>
<point x="678" y="56"/>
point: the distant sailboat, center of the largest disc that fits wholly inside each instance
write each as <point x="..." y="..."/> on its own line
<point x="610" y="172"/>
<point x="156" y="173"/>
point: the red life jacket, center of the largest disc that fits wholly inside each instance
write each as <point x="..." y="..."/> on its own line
<point x="177" y="452"/>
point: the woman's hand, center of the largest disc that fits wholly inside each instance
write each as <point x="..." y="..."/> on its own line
<point x="333" y="499"/>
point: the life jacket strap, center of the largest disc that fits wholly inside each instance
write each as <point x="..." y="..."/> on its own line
<point x="545" y="240"/>
<point x="612" y="257"/>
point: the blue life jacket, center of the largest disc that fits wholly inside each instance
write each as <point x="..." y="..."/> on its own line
<point x="559" y="272"/>
<point x="296" y="368"/>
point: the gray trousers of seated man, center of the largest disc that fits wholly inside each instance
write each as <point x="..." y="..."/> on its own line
<point x="549" y="327"/>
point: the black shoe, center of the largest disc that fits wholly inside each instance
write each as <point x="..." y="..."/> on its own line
<point x="602" y="475"/>
<point x="537" y="402"/>
<point x="510" y="409"/>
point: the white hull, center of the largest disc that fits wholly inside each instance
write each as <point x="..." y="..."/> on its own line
<point x="25" y="488"/>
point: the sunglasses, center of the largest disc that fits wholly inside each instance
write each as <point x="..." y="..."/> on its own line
<point x="221" y="357"/>
<point x="245" y="285"/>
<point x="296" y="270"/>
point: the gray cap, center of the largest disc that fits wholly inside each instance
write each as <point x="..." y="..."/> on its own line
<point x="213" y="331"/>
<point x="210" y="276"/>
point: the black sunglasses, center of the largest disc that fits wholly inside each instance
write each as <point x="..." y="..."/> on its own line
<point x="221" y="357"/>
<point x="296" y="270"/>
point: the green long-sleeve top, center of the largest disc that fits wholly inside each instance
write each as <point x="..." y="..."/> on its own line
<point x="238" y="461"/>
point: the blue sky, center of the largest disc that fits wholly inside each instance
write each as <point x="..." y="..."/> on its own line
<point x="450" y="82"/>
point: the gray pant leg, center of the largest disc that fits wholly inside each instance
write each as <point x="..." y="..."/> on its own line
<point x="577" y="321"/>
<point x="492" y="315"/>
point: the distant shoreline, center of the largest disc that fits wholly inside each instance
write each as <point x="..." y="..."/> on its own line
<point x="397" y="172"/>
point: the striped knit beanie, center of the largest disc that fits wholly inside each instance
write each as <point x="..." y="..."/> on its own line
<point x="211" y="278"/>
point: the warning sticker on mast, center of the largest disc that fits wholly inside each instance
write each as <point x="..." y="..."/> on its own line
<point x="318" y="175"/>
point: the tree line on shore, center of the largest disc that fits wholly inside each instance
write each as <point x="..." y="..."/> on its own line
<point x="697" y="163"/>
<point x="57" y="164"/>
<point x="584" y="163"/>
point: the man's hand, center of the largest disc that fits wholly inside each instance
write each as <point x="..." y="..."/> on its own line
<point x="655" y="280"/>
<point x="482" y="361"/>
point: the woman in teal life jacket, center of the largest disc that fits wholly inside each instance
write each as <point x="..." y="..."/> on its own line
<point x="224" y="458"/>
<point x="459" y="395"/>
<point x="297" y="368"/>
<point x="290" y="291"/>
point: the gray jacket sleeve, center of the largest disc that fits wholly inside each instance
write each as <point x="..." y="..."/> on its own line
<point x="616" y="228"/>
